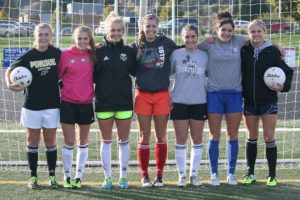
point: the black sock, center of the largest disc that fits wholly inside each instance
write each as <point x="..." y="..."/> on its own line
<point x="271" y="153"/>
<point x="32" y="157"/>
<point x="51" y="154"/>
<point x="251" y="152"/>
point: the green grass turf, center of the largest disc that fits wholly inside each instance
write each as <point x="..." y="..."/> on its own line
<point x="17" y="187"/>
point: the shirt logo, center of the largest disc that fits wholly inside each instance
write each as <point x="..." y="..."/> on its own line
<point x="123" y="57"/>
<point x="106" y="58"/>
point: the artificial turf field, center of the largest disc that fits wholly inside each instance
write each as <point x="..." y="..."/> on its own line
<point x="13" y="185"/>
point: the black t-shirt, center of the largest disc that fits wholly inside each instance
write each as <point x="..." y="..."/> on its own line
<point x="43" y="92"/>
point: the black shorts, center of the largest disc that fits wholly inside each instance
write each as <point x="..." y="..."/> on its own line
<point x="260" y="110"/>
<point x="71" y="113"/>
<point x="183" y="112"/>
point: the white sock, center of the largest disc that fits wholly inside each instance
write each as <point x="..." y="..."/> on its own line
<point x="196" y="156"/>
<point x="180" y="156"/>
<point x="67" y="158"/>
<point x="105" y="153"/>
<point x="124" y="156"/>
<point x="81" y="158"/>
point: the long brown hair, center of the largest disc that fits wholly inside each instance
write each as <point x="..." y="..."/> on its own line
<point x="92" y="48"/>
<point x="142" y="36"/>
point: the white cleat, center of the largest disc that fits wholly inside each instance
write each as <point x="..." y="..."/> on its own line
<point x="214" y="180"/>
<point x="182" y="181"/>
<point x="195" y="181"/>
<point x="231" y="179"/>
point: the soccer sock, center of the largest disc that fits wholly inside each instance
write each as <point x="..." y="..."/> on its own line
<point x="105" y="152"/>
<point x="213" y="155"/>
<point x="51" y="154"/>
<point x="251" y="153"/>
<point x="196" y="156"/>
<point x="143" y="156"/>
<point x="67" y="158"/>
<point x="124" y="156"/>
<point x="32" y="157"/>
<point x="271" y="152"/>
<point x="232" y="154"/>
<point x="161" y="157"/>
<point x="180" y="156"/>
<point x="81" y="158"/>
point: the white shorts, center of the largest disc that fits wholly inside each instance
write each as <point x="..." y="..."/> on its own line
<point x="35" y="119"/>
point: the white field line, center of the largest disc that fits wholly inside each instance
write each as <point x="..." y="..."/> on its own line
<point x="135" y="130"/>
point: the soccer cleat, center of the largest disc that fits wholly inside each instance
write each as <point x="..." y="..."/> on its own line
<point x="231" y="179"/>
<point x="76" y="183"/>
<point x="272" y="182"/>
<point x="123" y="183"/>
<point x="53" y="182"/>
<point x="182" y="181"/>
<point x="158" y="182"/>
<point x="146" y="183"/>
<point x="214" y="180"/>
<point x="195" y="181"/>
<point x="107" y="183"/>
<point x="33" y="183"/>
<point x="67" y="183"/>
<point x="249" y="179"/>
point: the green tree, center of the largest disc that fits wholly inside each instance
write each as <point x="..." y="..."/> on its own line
<point x="3" y="14"/>
<point x="166" y="11"/>
<point x="288" y="8"/>
<point x="107" y="10"/>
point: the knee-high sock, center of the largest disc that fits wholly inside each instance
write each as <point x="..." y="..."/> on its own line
<point x="232" y="154"/>
<point x="251" y="153"/>
<point x="51" y="154"/>
<point x="196" y="156"/>
<point x="67" y="158"/>
<point x="143" y="155"/>
<point x="81" y="158"/>
<point x="105" y="152"/>
<point x="180" y="156"/>
<point x="213" y="155"/>
<point x="32" y="157"/>
<point x="271" y="152"/>
<point x="124" y="157"/>
<point x="161" y="157"/>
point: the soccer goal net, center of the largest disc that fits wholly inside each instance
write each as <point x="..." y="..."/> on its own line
<point x="18" y="18"/>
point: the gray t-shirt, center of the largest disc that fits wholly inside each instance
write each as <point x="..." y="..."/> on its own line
<point x="224" y="63"/>
<point x="189" y="69"/>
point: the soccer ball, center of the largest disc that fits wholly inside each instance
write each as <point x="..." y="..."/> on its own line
<point x="21" y="76"/>
<point x="274" y="76"/>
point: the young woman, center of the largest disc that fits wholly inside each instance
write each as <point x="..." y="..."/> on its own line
<point x="76" y="74"/>
<point x="152" y="95"/>
<point x="114" y="103"/>
<point x="40" y="110"/>
<point x="260" y="101"/>
<point x="189" y="103"/>
<point x="224" y="95"/>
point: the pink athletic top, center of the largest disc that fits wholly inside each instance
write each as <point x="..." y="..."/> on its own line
<point x="75" y="70"/>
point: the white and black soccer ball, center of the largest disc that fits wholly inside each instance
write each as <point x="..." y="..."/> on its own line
<point x="21" y="76"/>
<point x="274" y="76"/>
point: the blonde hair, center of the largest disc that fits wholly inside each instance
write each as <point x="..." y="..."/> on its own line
<point x="35" y="33"/>
<point x="258" y="23"/>
<point x="111" y="18"/>
<point x="92" y="48"/>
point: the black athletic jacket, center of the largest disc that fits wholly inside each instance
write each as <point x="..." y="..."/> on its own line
<point x="113" y="86"/>
<point x="254" y="65"/>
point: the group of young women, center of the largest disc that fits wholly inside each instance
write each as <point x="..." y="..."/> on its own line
<point x="211" y="80"/>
